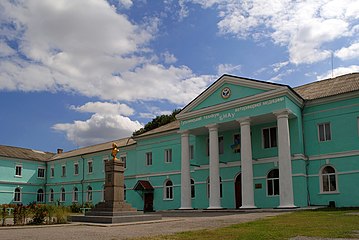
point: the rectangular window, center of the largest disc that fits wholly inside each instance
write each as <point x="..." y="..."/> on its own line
<point x="269" y="136"/>
<point x="324" y="132"/>
<point x="191" y="152"/>
<point x="41" y="172"/>
<point x="221" y="145"/>
<point x="123" y="159"/>
<point x="18" y="170"/>
<point x="63" y="172"/>
<point x="90" y="166"/>
<point x="52" y="171"/>
<point x="149" y="158"/>
<point x="236" y="143"/>
<point x="168" y="155"/>
<point x="76" y="168"/>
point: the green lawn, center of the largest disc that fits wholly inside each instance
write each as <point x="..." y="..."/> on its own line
<point x="316" y="223"/>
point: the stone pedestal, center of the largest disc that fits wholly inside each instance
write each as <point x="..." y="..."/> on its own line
<point x="114" y="209"/>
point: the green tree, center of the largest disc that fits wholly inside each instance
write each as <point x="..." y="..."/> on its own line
<point x="157" y="122"/>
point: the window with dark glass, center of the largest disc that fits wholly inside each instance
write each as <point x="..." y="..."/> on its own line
<point x="329" y="183"/>
<point x="149" y="158"/>
<point x="40" y="196"/>
<point x="273" y="183"/>
<point x="269" y="137"/>
<point x="324" y="132"/>
<point x="193" y="189"/>
<point x="17" y="195"/>
<point x="168" y="193"/>
<point x="168" y="155"/>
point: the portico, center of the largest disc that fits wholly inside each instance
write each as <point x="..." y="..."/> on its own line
<point x="240" y="114"/>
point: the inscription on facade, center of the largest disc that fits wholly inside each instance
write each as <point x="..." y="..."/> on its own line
<point x="231" y="114"/>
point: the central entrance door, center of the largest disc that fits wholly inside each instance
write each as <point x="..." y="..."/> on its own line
<point x="148" y="202"/>
<point x="238" y="191"/>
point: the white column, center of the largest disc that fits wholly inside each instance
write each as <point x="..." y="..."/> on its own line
<point x="186" y="202"/>
<point x="214" y="184"/>
<point x="246" y="164"/>
<point x="285" y="161"/>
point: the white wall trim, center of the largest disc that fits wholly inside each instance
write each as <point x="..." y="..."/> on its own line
<point x="335" y="155"/>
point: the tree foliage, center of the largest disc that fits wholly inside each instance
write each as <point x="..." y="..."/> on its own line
<point x="157" y="122"/>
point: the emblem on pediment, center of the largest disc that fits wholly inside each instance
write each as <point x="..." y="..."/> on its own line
<point x="226" y="92"/>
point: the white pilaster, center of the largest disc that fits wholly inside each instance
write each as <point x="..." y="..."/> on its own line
<point x="246" y="164"/>
<point x="285" y="161"/>
<point x="214" y="184"/>
<point x="186" y="202"/>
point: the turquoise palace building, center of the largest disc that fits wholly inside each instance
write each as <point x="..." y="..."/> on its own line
<point x="242" y="143"/>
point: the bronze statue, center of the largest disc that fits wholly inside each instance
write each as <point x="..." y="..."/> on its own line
<point x="115" y="150"/>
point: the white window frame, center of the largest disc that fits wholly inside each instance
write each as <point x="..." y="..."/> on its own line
<point x="40" y="196"/>
<point x="168" y="190"/>
<point x="76" y="168"/>
<point x="52" y="171"/>
<point x="271" y="145"/>
<point x="191" y="152"/>
<point x="193" y="189"/>
<point x="75" y="195"/>
<point x="273" y="181"/>
<point x="51" y="195"/>
<point x="62" y="195"/>
<point x="149" y="158"/>
<point x="18" y="195"/>
<point x="38" y="172"/>
<point x="104" y="160"/>
<point x="89" y="167"/>
<point x="326" y="138"/>
<point x="123" y="158"/>
<point x="321" y="175"/>
<point x="168" y="155"/>
<point x="89" y="195"/>
<point x="18" y="166"/>
<point x="63" y="170"/>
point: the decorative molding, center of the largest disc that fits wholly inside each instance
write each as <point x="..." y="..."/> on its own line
<point x="335" y="155"/>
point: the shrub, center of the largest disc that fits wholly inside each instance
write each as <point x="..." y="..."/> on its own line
<point x="61" y="213"/>
<point x="39" y="214"/>
<point x="75" y="208"/>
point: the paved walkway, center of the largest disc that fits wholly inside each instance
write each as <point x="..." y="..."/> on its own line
<point x="168" y="225"/>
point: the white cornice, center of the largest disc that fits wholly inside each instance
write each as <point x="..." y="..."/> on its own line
<point x="242" y="101"/>
<point x="335" y="155"/>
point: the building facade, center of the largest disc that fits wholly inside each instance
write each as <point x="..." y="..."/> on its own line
<point x="242" y="143"/>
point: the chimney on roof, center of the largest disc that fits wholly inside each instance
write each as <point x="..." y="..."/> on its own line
<point x="60" y="150"/>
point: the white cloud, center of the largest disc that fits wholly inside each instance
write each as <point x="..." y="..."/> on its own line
<point x="99" y="128"/>
<point x="169" y="58"/>
<point x="304" y="27"/>
<point x="339" y="71"/>
<point x="126" y="3"/>
<point x="278" y="66"/>
<point x="227" y="68"/>
<point x="5" y="50"/>
<point x="104" y="108"/>
<point x="86" y="47"/>
<point x="350" y="52"/>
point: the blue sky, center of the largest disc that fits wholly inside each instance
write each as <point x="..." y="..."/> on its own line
<point x="77" y="73"/>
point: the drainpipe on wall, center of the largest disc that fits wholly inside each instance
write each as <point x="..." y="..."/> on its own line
<point x="82" y="180"/>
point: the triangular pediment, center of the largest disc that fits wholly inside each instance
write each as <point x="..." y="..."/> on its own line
<point x="227" y="89"/>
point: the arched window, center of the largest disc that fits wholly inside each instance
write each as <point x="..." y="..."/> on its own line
<point x="89" y="194"/>
<point x="40" y="196"/>
<point x="124" y="192"/>
<point x="51" y="197"/>
<point x="75" y="195"/>
<point x="208" y="187"/>
<point x="273" y="183"/>
<point x="103" y="193"/>
<point x="63" y="195"/>
<point x="17" y="195"/>
<point x="168" y="190"/>
<point x="329" y="179"/>
<point x="193" y="189"/>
